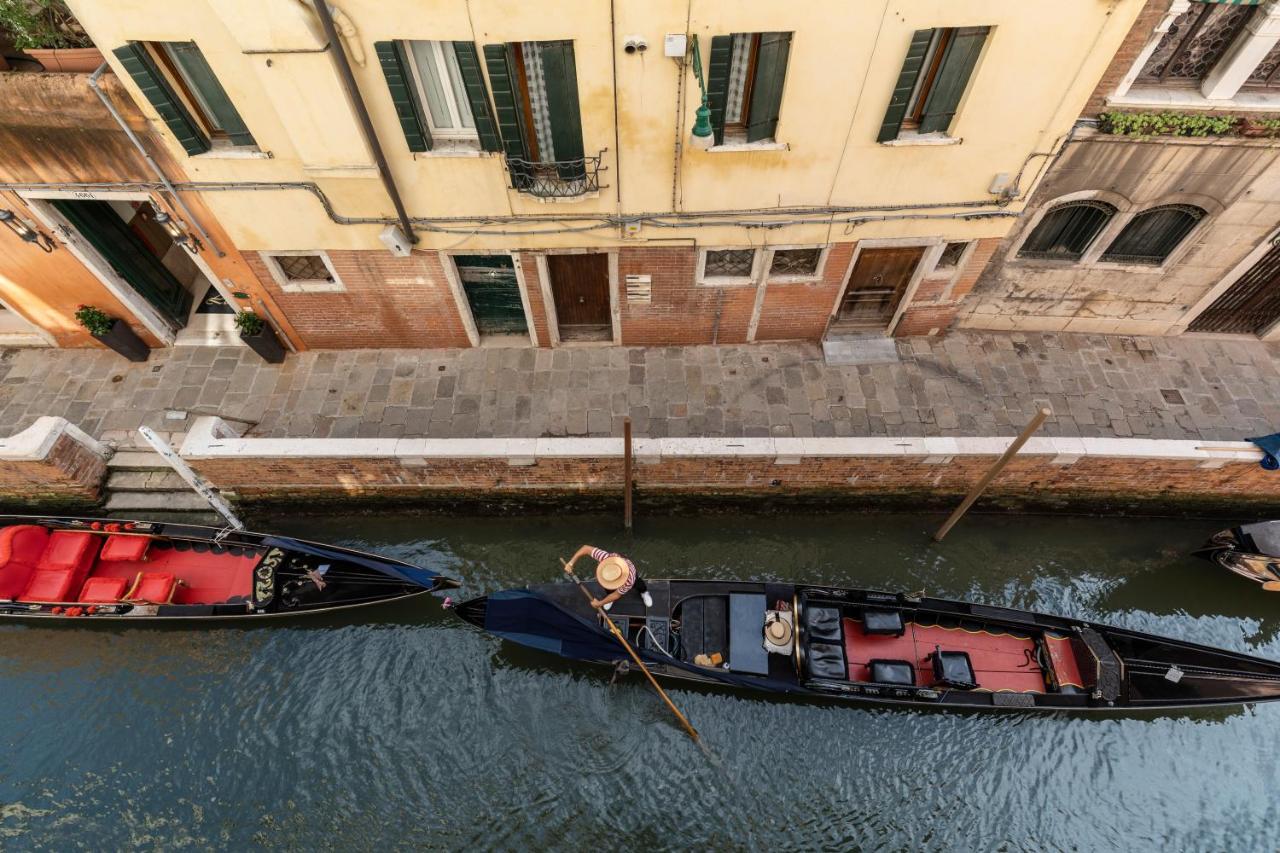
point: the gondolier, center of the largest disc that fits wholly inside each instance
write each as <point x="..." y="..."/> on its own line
<point x="614" y="572"/>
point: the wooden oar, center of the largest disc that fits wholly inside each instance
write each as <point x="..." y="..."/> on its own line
<point x="684" y="721"/>
<point x="1271" y="586"/>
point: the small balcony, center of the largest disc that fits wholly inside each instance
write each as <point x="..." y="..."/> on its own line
<point x="556" y="179"/>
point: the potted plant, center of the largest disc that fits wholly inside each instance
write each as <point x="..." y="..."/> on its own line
<point x="113" y="332"/>
<point x="260" y="337"/>
<point x="46" y="31"/>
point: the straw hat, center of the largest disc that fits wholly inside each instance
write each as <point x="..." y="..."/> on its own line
<point x="611" y="572"/>
<point x="778" y="632"/>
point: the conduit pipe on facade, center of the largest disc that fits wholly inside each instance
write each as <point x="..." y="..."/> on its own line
<point x="146" y="155"/>
<point x="339" y="54"/>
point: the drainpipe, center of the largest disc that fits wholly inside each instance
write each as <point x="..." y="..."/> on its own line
<point x="362" y="114"/>
<point x="155" y="167"/>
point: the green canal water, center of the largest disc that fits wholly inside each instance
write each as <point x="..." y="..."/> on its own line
<point x="406" y="728"/>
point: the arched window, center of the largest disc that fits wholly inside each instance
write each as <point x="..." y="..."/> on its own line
<point x="1153" y="234"/>
<point x="1065" y="232"/>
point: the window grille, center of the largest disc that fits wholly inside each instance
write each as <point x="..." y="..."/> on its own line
<point x="303" y="267"/>
<point x="950" y="257"/>
<point x="1065" y="232"/>
<point x="1153" y="234"/>
<point x="1267" y="74"/>
<point x="802" y="262"/>
<point x="1195" y="42"/>
<point x="729" y="263"/>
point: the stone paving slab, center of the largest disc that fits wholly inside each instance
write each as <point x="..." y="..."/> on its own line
<point x="968" y="383"/>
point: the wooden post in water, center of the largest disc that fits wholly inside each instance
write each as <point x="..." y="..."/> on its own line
<point x="992" y="472"/>
<point x="626" y="473"/>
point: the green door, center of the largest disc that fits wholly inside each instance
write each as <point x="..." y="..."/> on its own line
<point x="131" y="259"/>
<point x="490" y="284"/>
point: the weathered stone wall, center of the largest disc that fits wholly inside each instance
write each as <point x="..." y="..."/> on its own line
<point x="51" y="464"/>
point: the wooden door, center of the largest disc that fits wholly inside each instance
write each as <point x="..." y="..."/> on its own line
<point x="876" y="286"/>
<point x="489" y="281"/>
<point x="580" y="288"/>
<point x="1250" y="305"/>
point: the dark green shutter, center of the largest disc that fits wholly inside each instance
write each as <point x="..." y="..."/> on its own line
<point x="561" y="76"/>
<point x="201" y="77"/>
<point x="500" y="60"/>
<point x="477" y="97"/>
<point x="404" y="95"/>
<point x="718" y="82"/>
<point x="953" y="78"/>
<point x="905" y="86"/>
<point x="142" y="68"/>
<point x="766" y="89"/>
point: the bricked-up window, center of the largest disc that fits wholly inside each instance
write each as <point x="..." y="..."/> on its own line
<point x="1066" y="231"/>
<point x="951" y="255"/>
<point x="1195" y="42"/>
<point x="796" y="262"/>
<point x="1152" y="235"/>
<point x="303" y="272"/>
<point x="733" y="264"/>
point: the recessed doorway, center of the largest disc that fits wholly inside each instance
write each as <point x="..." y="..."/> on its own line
<point x="580" y="290"/>
<point x="875" y="289"/>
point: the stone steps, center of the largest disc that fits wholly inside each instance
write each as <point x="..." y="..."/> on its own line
<point x="137" y="460"/>
<point x="144" y="501"/>
<point x="137" y="480"/>
<point x="859" y="349"/>
<point x="140" y="484"/>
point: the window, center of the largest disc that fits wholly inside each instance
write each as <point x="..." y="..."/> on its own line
<point x="728" y="266"/>
<point x="439" y="95"/>
<point x="176" y="78"/>
<point x="933" y="79"/>
<point x="1065" y="232"/>
<point x="796" y="263"/>
<point x="744" y="85"/>
<point x="1195" y="42"/>
<point x="951" y="255"/>
<point x="303" y="272"/>
<point x="1267" y="74"/>
<point x="1153" y="234"/>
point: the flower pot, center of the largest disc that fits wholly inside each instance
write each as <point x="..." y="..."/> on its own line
<point x="67" y="59"/>
<point x="122" y="339"/>
<point x="266" y="344"/>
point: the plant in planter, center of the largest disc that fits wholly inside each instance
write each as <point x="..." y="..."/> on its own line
<point x="260" y="337"/>
<point x="47" y="31"/>
<point x="113" y="332"/>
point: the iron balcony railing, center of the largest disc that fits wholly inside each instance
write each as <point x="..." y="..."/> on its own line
<point x="557" y="178"/>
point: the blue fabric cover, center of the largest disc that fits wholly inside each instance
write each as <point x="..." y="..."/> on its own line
<point x="1270" y="445"/>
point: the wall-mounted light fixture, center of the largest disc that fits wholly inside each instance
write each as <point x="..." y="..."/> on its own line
<point x="25" y="232"/>
<point x="174" y="230"/>
<point x="703" y="135"/>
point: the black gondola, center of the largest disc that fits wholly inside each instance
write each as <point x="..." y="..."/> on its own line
<point x="65" y="570"/>
<point x="881" y="648"/>
<point x="1250" y="550"/>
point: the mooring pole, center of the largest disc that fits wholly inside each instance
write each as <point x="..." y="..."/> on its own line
<point x="626" y="473"/>
<point x="993" y="471"/>
<point x="194" y="480"/>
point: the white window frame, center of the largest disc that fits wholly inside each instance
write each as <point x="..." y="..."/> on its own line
<point x="796" y="279"/>
<point x="457" y="135"/>
<point x="750" y="280"/>
<point x="289" y="285"/>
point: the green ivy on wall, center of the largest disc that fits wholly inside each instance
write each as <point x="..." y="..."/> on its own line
<point x="1186" y="124"/>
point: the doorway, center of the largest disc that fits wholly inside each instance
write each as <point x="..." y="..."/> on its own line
<point x="580" y="291"/>
<point x="493" y="294"/>
<point x="879" y="280"/>
<point x="1250" y="306"/>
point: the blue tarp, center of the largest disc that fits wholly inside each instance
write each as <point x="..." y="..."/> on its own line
<point x="1270" y="445"/>
<point x="412" y="574"/>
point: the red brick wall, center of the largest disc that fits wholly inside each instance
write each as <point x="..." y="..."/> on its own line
<point x="537" y="307"/>
<point x="681" y="311"/>
<point x="389" y="302"/>
<point x="801" y="311"/>
<point x="71" y="475"/>
<point x="1132" y="45"/>
<point x="936" y="300"/>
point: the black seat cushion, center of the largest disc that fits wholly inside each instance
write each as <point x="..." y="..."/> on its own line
<point x="822" y="623"/>
<point x="953" y="669"/>
<point x="883" y="622"/>
<point x="892" y="672"/>
<point x="826" y="661"/>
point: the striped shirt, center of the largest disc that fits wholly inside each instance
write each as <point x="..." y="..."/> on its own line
<point x="599" y="554"/>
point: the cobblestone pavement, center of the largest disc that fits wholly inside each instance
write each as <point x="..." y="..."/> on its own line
<point x="965" y="384"/>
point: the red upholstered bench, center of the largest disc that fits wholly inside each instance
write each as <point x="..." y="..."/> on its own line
<point x="49" y="585"/>
<point x="103" y="590"/>
<point x="20" y="548"/>
<point x="153" y="588"/>
<point x="66" y="559"/>
<point x="125" y="548"/>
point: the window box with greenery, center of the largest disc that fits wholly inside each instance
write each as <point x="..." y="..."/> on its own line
<point x="259" y="337"/>
<point x="46" y="31"/>
<point x="113" y="332"/>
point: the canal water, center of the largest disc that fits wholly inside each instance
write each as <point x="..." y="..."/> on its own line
<point x="408" y="729"/>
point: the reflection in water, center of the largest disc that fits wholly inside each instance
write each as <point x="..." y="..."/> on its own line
<point x="402" y="726"/>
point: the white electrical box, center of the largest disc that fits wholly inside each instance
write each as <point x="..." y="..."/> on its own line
<point x="395" y="240"/>
<point x="631" y="229"/>
<point x="675" y="45"/>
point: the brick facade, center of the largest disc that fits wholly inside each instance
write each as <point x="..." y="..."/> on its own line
<point x="801" y="311"/>
<point x="1139" y="35"/>
<point x="680" y="311"/>
<point x="70" y="474"/>
<point x="937" y="299"/>
<point x="533" y="289"/>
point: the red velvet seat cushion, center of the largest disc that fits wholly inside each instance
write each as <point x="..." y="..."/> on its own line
<point x="103" y="590"/>
<point x="69" y="549"/>
<point x="20" y="548"/>
<point x="49" y="585"/>
<point x="153" y="588"/>
<point x="131" y="548"/>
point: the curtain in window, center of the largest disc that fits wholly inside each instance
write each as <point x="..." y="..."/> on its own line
<point x="1153" y="234"/>
<point x="538" y="101"/>
<point x="739" y="63"/>
<point x="1066" y="231"/>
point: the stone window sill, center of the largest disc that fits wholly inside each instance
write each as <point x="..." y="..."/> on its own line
<point x="726" y="282"/>
<point x="910" y="138"/>
<point x="233" y="154"/>
<point x="313" y="287"/>
<point x="450" y="151"/>
<point x="1164" y="98"/>
<point x="795" y="279"/>
<point x="730" y="147"/>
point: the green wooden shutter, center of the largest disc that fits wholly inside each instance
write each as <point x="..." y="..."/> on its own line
<point x="766" y="90"/>
<point x="561" y="75"/>
<point x="718" y="82"/>
<point x="216" y="102"/>
<point x="500" y="61"/>
<point x="953" y="78"/>
<point x="142" y="68"/>
<point x="477" y="96"/>
<point x="905" y="86"/>
<point x="404" y="95"/>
